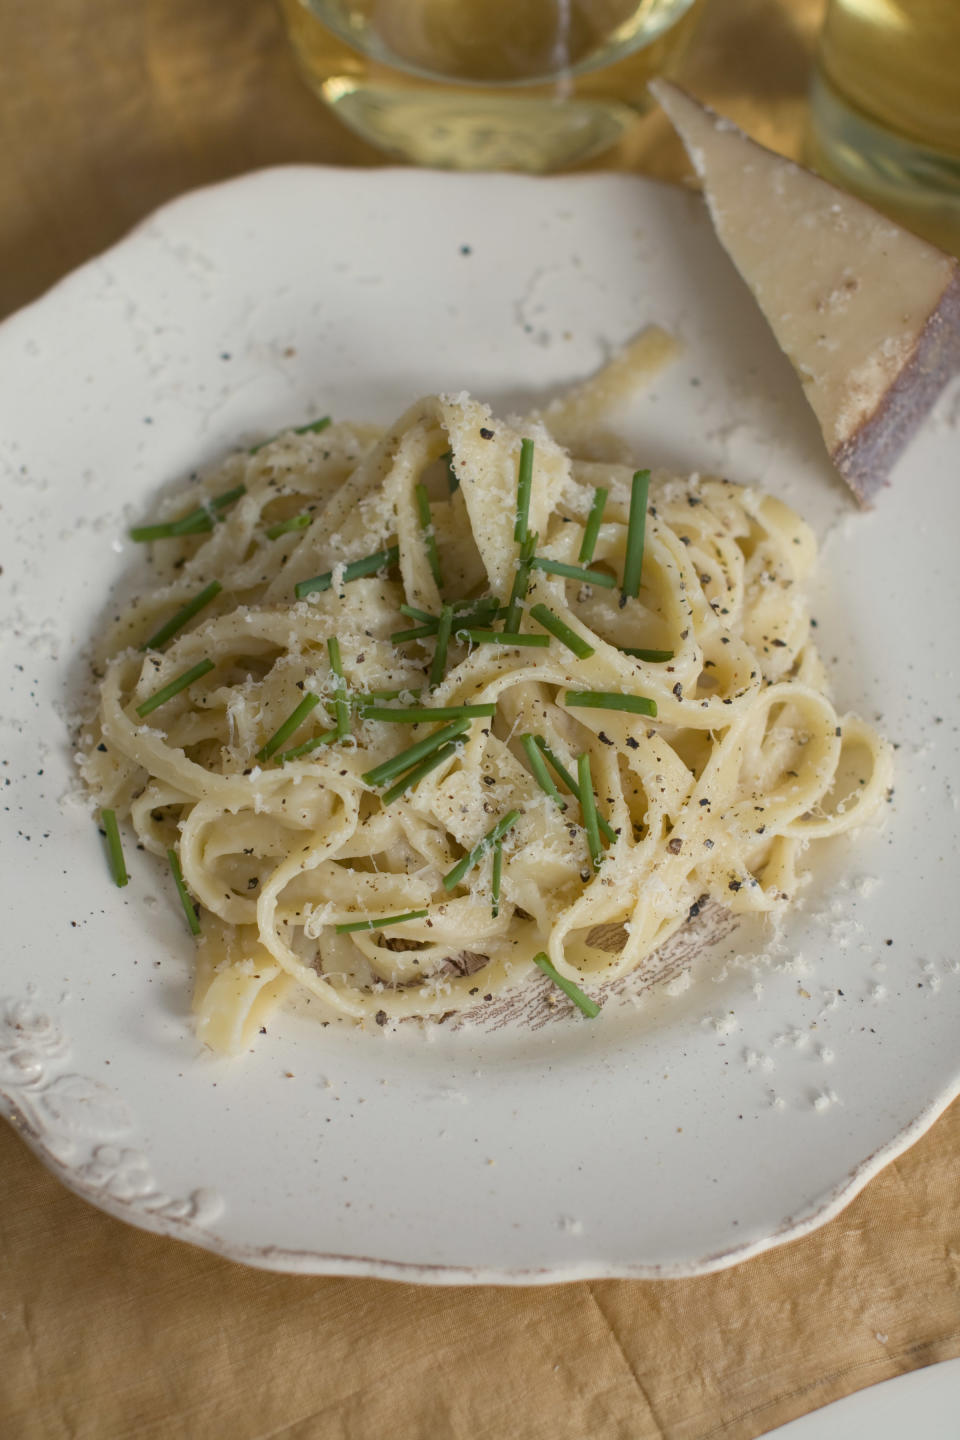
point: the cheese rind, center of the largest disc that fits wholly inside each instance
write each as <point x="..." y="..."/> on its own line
<point x="866" y="459"/>
<point x="867" y="313"/>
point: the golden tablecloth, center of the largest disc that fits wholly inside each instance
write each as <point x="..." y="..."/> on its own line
<point x="107" y="109"/>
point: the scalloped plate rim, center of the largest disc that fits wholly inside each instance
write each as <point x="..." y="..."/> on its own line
<point x="315" y="1262"/>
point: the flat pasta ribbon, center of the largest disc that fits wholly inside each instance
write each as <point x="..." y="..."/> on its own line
<point x="291" y="845"/>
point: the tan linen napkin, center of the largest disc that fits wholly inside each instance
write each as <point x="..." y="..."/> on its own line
<point x="108" y="108"/>
<point x="108" y="1332"/>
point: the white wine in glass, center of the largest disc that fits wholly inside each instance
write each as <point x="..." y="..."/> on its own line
<point x="530" y="85"/>
<point x="886" y="108"/>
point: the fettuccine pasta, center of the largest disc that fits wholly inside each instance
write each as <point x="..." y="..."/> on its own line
<point x="728" y="759"/>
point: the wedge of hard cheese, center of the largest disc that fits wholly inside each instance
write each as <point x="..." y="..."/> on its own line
<point x="868" y="314"/>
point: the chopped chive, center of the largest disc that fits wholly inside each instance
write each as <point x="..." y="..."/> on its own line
<point x="558" y="766"/>
<point x="424" y="616"/>
<point x="524" y="487"/>
<point x="222" y="502"/>
<point x="479" y="602"/>
<point x="588" y="809"/>
<point x="406" y="759"/>
<point x="589" y="1007"/>
<point x="544" y="616"/>
<point x="574" y="572"/>
<point x="369" y="565"/>
<point x="314" y="427"/>
<point x="481" y="618"/>
<point x="483" y="606"/>
<point x="292" y="722"/>
<point x="201" y="519"/>
<point x="341" y="706"/>
<point x="636" y="526"/>
<point x="118" y="868"/>
<point x="183" y="615"/>
<point x="453" y="480"/>
<point x="439" y="663"/>
<point x="592" y="529"/>
<point x="286" y="527"/>
<point x="167" y="692"/>
<point x="453" y="877"/>
<point x="142" y="534"/>
<point x="521" y="582"/>
<point x="496" y="879"/>
<point x="429" y="538"/>
<point x="414" y="776"/>
<point x="195" y="521"/>
<point x="503" y="637"/>
<point x="573" y="787"/>
<point x="307" y="746"/>
<point x="418" y="632"/>
<point x="483" y="613"/>
<point x="189" y="909"/>
<point x="361" y="698"/>
<point x="610" y="700"/>
<point x="380" y="923"/>
<point x="412" y="716"/>
<point x="219" y="503"/>
<point x="540" y="772"/>
<point x="652" y="655"/>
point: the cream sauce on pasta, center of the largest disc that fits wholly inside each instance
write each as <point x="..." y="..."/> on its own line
<point x="745" y="763"/>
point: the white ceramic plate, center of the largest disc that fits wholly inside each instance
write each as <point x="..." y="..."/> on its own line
<point x="739" y="1105"/>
